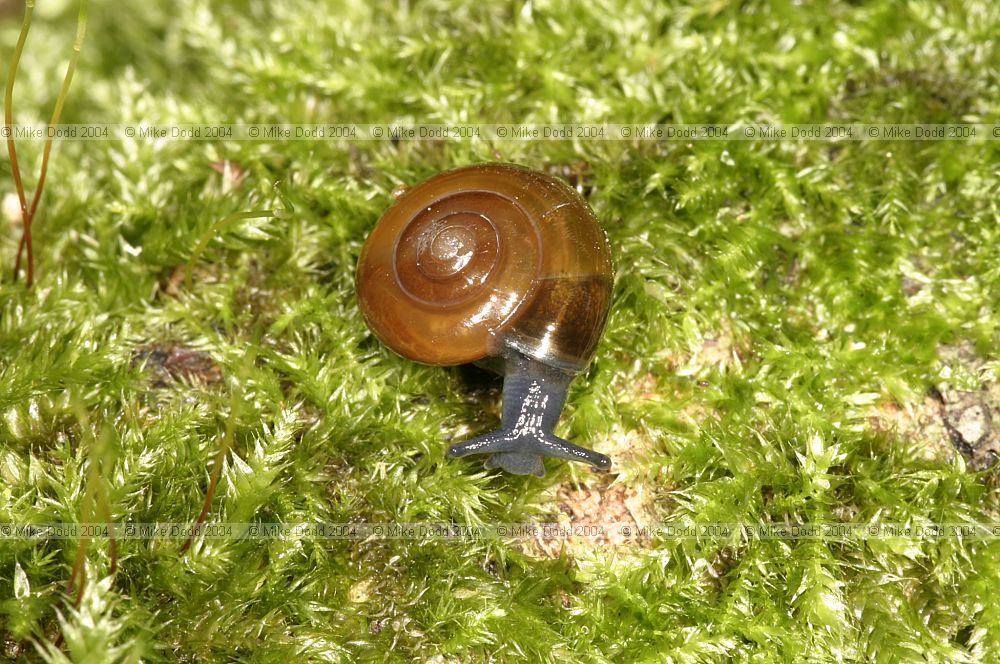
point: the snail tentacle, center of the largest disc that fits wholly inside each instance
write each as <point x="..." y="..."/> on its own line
<point x="533" y="398"/>
<point x="494" y="441"/>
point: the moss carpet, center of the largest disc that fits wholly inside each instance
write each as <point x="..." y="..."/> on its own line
<point x="802" y="331"/>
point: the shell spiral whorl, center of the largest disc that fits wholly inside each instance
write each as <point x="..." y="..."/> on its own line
<point x="463" y="246"/>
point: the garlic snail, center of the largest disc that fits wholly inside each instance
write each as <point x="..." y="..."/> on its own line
<point x="505" y="267"/>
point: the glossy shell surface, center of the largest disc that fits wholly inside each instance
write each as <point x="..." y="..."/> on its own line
<point x="486" y="257"/>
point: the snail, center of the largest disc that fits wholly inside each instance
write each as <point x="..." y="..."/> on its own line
<point x="501" y="266"/>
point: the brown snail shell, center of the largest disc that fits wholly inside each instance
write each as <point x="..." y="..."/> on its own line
<point x="488" y="261"/>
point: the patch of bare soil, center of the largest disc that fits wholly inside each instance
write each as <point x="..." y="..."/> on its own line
<point x="971" y="416"/>
<point x="954" y="416"/>
<point x="601" y="517"/>
<point x="921" y="425"/>
<point x="167" y="364"/>
<point x="10" y="650"/>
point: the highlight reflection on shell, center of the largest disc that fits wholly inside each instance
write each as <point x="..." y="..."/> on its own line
<point x="485" y="257"/>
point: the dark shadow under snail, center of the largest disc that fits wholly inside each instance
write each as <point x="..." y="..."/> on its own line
<point x="505" y="267"/>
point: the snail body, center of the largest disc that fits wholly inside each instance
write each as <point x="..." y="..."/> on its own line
<point x="494" y="263"/>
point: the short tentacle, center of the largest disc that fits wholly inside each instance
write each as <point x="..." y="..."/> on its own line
<point x="495" y="441"/>
<point x="558" y="448"/>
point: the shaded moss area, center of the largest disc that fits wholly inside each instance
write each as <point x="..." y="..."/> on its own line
<point x="783" y="312"/>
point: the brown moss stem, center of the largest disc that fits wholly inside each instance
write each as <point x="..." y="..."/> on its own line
<point x="213" y="482"/>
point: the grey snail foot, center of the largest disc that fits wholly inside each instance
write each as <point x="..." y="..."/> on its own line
<point x="533" y="398"/>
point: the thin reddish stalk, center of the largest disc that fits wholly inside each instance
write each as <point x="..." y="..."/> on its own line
<point x="213" y="482"/>
<point x="28" y="214"/>
<point x="8" y="103"/>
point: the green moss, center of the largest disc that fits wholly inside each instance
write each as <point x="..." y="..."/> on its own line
<point x="826" y="277"/>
